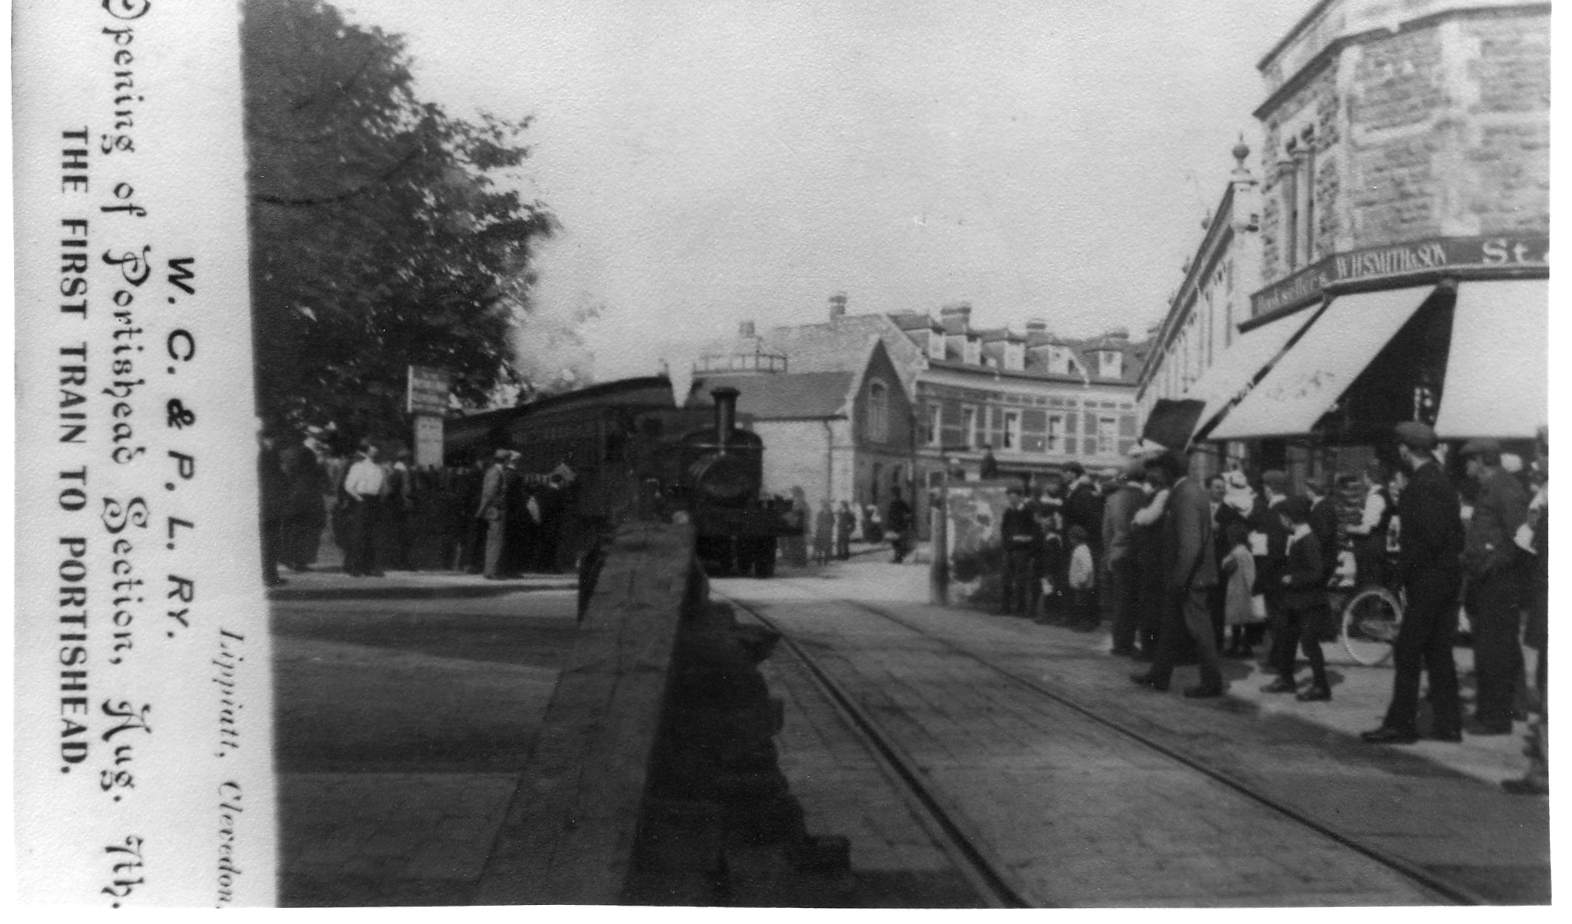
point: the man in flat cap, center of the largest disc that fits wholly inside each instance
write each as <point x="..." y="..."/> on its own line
<point x="493" y="509"/>
<point x="1492" y="562"/>
<point x="1427" y="564"/>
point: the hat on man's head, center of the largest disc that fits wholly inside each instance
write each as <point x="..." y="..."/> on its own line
<point x="501" y="455"/>
<point x="1276" y="479"/>
<point x="1416" y="436"/>
<point x="1076" y="469"/>
<point x="1134" y="469"/>
<point x="1480" y="447"/>
<point x="1296" y="509"/>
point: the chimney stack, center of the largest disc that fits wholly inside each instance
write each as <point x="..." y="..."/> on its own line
<point x="745" y="329"/>
<point x="725" y="415"/>
<point x="956" y="317"/>
<point x="837" y="306"/>
<point x="1037" y="326"/>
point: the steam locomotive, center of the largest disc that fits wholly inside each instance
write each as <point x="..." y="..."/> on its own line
<point x="627" y="450"/>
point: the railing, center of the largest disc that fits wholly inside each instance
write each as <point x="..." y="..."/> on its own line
<point x="757" y="361"/>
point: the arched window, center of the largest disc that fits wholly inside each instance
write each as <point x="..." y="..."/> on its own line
<point x="878" y="411"/>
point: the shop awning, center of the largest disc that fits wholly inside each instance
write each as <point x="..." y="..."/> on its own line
<point x="1244" y="359"/>
<point x="1497" y="369"/>
<point x="1171" y="423"/>
<point x="1307" y="381"/>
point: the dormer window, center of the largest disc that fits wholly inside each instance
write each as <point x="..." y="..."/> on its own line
<point x="1110" y="364"/>
<point x="973" y="351"/>
<point x="1015" y="356"/>
<point x="935" y="344"/>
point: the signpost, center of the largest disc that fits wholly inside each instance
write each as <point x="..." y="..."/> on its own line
<point x="427" y="399"/>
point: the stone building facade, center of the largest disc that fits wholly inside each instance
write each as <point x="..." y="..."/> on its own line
<point x="1404" y="235"/>
<point x="1036" y="401"/>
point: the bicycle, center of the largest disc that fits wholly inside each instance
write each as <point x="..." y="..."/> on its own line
<point x="1368" y="620"/>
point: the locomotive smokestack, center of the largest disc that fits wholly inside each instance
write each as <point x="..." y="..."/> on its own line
<point x="725" y="415"/>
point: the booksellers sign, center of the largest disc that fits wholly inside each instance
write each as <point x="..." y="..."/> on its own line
<point x="1449" y="254"/>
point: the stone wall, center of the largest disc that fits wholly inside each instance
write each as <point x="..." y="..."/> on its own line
<point x="1438" y="129"/>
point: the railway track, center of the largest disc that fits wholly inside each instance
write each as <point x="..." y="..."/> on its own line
<point x="995" y="882"/>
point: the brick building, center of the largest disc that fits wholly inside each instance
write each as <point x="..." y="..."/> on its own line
<point x="1404" y="231"/>
<point x="1034" y="400"/>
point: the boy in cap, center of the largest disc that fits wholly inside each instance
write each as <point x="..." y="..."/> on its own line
<point x="1427" y="566"/>
<point x="1303" y="600"/>
<point x="1491" y="559"/>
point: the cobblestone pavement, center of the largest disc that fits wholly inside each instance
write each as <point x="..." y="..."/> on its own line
<point x="401" y="727"/>
<point x="1092" y="818"/>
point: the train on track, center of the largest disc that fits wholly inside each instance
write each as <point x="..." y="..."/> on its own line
<point x="629" y="450"/>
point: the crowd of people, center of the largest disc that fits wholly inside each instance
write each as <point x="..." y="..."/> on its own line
<point x="1182" y="570"/>
<point x="830" y="531"/>
<point x="489" y="518"/>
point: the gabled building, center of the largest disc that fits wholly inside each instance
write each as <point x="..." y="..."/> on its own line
<point x="1034" y="400"/>
<point x="839" y="429"/>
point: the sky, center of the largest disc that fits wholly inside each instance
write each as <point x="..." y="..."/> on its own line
<point x="722" y="161"/>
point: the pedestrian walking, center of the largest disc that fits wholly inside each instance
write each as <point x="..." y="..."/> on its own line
<point x="363" y="489"/>
<point x="1190" y="570"/>
<point x="1491" y="559"/>
<point x="845" y="526"/>
<point x="1325" y="524"/>
<point x="823" y="533"/>
<point x="493" y="510"/>
<point x="1304" y="601"/>
<point x="1427" y="564"/>
<point x="899" y="522"/>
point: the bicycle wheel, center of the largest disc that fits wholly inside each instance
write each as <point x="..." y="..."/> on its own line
<point x="1370" y="621"/>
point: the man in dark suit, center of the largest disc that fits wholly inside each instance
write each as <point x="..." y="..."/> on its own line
<point x="1190" y="571"/>
<point x="1268" y="520"/>
<point x="1427" y="564"/>
<point x="1021" y="536"/>
<point x="1495" y="575"/>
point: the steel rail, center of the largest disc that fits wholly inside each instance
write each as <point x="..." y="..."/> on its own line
<point x="1451" y="891"/>
<point x="992" y="884"/>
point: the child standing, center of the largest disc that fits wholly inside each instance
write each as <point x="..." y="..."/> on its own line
<point x="1304" y="598"/>
<point x="1238" y="571"/>
<point x="1082" y="579"/>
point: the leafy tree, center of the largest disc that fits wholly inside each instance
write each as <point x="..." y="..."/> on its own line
<point x="385" y="232"/>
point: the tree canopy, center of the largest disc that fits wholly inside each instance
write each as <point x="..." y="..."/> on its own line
<point x="385" y="232"/>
